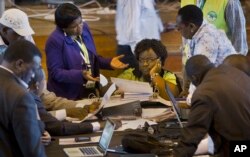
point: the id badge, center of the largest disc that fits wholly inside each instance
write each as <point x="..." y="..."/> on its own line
<point x="90" y="84"/>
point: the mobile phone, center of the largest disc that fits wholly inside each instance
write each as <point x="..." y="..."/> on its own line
<point x="82" y="139"/>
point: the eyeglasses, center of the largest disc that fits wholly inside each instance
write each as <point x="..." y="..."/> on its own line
<point x="147" y="60"/>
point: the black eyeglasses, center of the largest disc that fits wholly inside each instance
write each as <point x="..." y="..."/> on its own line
<point x="147" y="60"/>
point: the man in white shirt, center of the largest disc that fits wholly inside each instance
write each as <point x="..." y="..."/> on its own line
<point x="205" y="38"/>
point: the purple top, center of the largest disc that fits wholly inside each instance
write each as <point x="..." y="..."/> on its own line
<point x="65" y="64"/>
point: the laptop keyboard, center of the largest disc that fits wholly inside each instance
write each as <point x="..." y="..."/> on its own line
<point x="90" y="150"/>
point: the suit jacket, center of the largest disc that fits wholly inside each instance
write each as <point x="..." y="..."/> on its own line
<point x="221" y="107"/>
<point x="52" y="102"/>
<point x="60" y="128"/>
<point x="20" y="132"/>
<point x="65" y="64"/>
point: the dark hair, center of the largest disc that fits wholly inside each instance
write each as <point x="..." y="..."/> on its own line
<point x="198" y="65"/>
<point x="157" y="46"/>
<point x="191" y="14"/>
<point x="65" y="14"/>
<point x="21" y="49"/>
<point x="238" y="61"/>
<point x="145" y="44"/>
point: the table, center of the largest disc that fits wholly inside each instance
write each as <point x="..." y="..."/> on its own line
<point x="56" y="150"/>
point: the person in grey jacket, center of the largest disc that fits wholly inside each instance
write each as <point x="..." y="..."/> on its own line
<point x="20" y="130"/>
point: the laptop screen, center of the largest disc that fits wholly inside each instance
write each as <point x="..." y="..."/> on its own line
<point x="175" y="105"/>
<point x="107" y="135"/>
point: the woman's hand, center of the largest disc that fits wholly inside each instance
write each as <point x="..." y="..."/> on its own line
<point x="87" y="75"/>
<point x="156" y="68"/>
<point x="117" y="64"/>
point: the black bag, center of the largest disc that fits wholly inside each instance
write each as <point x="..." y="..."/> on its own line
<point x="138" y="143"/>
<point x="149" y="139"/>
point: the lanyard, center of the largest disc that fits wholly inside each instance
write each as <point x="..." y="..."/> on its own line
<point x="84" y="51"/>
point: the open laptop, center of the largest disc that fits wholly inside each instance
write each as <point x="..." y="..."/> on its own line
<point x="175" y="105"/>
<point x="100" y="149"/>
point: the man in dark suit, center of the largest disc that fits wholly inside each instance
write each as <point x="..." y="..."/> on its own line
<point x="20" y="132"/>
<point x="220" y="106"/>
<point x="62" y="128"/>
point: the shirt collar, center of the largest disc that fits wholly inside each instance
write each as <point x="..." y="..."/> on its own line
<point x="204" y="23"/>
<point x="24" y="84"/>
<point x="6" y="69"/>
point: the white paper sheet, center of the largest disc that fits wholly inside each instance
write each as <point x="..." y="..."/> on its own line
<point x="103" y="80"/>
<point x="206" y="146"/>
<point x="129" y="86"/>
<point x="116" y="101"/>
<point x="134" y="124"/>
<point x="153" y="112"/>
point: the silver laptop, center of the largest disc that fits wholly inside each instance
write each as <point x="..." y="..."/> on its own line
<point x="175" y="105"/>
<point x="100" y="150"/>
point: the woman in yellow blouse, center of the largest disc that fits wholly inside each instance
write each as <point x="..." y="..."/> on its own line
<point x="151" y="55"/>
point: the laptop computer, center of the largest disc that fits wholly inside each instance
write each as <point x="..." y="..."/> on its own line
<point x="175" y="105"/>
<point x="100" y="149"/>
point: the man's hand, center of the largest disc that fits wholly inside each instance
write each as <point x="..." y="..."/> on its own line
<point x="117" y="64"/>
<point x="46" y="138"/>
<point x="119" y="92"/>
<point x="92" y="107"/>
<point x="76" y="112"/>
<point x="118" y="124"/>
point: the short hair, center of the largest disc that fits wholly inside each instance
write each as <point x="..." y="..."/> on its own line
<point x="238" y="61"/>
<point x="191" y="14"/>
<point x="21" y="49"/>
<point x="156" y="45"/>
<point x="65" y="14"/>
<point x="198" y="65"/>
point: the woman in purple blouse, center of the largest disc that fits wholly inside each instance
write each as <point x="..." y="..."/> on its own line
<point x="72" y="62"/>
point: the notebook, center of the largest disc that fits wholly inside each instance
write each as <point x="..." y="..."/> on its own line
<point x="98" y="150"/>
<point x="175" y="105"/>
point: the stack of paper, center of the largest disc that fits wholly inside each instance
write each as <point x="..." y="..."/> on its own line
<point x="134" y="89"/>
